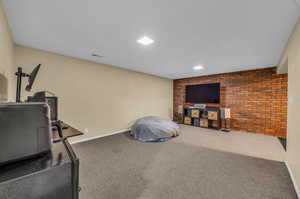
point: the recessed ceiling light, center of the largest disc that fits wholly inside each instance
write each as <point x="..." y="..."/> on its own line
<point x="199" y="67"/>
<point x="145" y="41"/>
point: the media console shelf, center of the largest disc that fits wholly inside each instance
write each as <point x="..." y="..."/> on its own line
<point x="206" y="118"/>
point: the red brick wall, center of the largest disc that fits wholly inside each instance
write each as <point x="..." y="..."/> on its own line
<point x="257" y="99"/>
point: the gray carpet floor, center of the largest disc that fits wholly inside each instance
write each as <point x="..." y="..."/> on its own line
<point x="118" y="167"/>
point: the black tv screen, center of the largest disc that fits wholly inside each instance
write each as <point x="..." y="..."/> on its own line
<point x="203" y="93"/>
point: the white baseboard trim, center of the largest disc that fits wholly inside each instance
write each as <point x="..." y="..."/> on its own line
<point x="100" y="136"/>
<point x="293" y="179"/>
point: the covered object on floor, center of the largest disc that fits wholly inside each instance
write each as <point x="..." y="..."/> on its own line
<point x="154" y="129"/>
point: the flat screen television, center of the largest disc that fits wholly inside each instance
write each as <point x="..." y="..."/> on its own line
<point x="203" y="93"/>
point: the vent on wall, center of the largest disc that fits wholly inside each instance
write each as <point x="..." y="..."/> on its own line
<point x="3" y="88"/>
<point x="97" y="55"/>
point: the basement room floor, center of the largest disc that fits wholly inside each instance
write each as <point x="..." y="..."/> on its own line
<point x="200" y="163"/>
<point x="250" y="144"/>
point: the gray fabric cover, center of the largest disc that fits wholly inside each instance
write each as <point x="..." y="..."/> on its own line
<point x="154" y="129"/>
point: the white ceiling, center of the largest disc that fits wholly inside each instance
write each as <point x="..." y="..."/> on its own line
<point x="223" y="36"/>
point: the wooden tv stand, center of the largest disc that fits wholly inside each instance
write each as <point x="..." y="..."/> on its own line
<point x="209" y="117"/>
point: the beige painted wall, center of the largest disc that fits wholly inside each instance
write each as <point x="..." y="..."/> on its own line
<point x="99" y="97"/>
<point x="291" y="63"/>
<point x="6" y="59"/>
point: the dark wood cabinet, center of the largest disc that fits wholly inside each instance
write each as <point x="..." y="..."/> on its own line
<point x="205" y="118"/>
